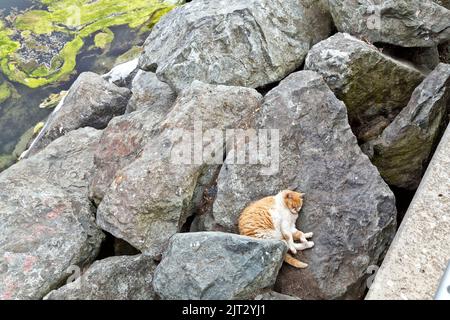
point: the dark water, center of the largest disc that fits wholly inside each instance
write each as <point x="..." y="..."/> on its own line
<point x="7" y="5"/>
<point x="17" y="116"/>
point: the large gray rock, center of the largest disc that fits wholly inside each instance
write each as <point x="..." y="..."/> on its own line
<point x="402" y="152"/>
<point x="123" y="139"/>
<point x="120" y="144"/>
<point x="90" y="102"/>
<point x="407" y="23"/>
<point x="150" y="93"/>
<point x="347" y="205"/>
<point x="47" y="222"/>
<point x="373" y="85"/>
<point x="150" y="199"/>
<point x="114" y="278"/>
<point x="246" y="43"/>
<point x="215" y="265"/>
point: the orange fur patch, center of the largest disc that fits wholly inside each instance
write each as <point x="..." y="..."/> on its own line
<point x="256" y="220"/>
<point x="293" y="200"/>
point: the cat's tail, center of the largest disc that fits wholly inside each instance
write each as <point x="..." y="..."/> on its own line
<point x="289" y="259"/>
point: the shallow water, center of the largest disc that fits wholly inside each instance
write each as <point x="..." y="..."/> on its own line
<point x="17" y="116"/>
<point x="7" y="5"/>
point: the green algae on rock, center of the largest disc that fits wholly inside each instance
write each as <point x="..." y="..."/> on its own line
<point x="7" y="91"/>
<point x="131" y="54"/>
<point x="104" y="38"/>
<point x="53" y="100"/>
<point x="39" y="47"/>
<point x="6" y="160"/>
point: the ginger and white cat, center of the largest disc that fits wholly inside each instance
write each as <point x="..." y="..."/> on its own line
<point x="274" y="217"/>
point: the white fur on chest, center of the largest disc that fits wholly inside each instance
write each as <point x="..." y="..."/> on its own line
<point x="282" y="217"/>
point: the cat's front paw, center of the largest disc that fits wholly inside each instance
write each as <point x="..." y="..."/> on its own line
<point x="308" y="235"/>
<point x="310" y="244"/>
<point x="293" y="250"/>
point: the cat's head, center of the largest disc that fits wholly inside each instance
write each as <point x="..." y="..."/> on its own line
<point x="293" y="200"/>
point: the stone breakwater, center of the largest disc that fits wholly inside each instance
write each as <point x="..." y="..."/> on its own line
<point x="355" y="116"/>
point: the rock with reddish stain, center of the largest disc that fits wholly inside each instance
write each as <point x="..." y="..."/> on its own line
<point x="120" y="144"/>
<point x="47" y="219"/>
<point x="150" y="199"/>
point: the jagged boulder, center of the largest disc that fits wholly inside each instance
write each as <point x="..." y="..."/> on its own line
<point x="347" y="205"/>
<point x="120" y="144"/>
<point x="150" y="199"/>
<point x="373" y="85"/>
<point x="90" y="102"/>
<point x="407" y="23"/>
<point x="47" y="221"/>
<point x="150" y="93"/>
<point x="246" y="43"/>
<point x="403" y="151"/>
<point x="114" y="278"/>
<point x="215" y="265"/>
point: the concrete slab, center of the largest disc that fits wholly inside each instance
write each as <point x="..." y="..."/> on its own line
<point x="420" y="252"/>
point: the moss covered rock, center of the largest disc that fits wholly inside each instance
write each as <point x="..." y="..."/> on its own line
<point x="402" y="152"/>
<point x="374" y="86"/>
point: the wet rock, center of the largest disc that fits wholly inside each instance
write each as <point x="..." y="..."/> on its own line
<point x="122" y="75"/>
<point x="114" y="278"/>
<point x="347" y="205"/>
<point x="150" y="199"/>
<point x="149" y="92"/>
<point x="406" y="23"/>
<point x="90" y="102"/>
<point x="247" y="43"/>
<point x="48" y="223"/>
<point x="373" y="85"/>
<point x="215" y="265"/>
<point x="402" y="152"/>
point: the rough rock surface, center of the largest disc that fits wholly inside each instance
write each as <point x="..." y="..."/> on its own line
<point x="374" y="86"/>
<point x="407" y="23"/>
<point x="150" y="93"/>
<point x="120" y="144"/>
<point x="114" y="278"/>
<point x="246" y="43"/>
<point x="347" y="204"/>
<point x="215" y="265"/>
<point x="150" y="199"/>
<point x="90" y="102"/>
<point x="47" y="221"/>
<point x="402" y="152"/>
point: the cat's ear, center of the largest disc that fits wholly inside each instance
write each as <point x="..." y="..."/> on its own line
<point x="288" y="195"/>
<point x="302" y="194"/>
